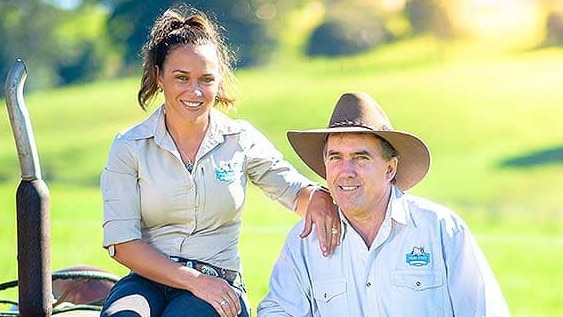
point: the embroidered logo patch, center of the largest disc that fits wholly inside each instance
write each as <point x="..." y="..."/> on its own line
<point x="417" y="257"/>
<point x="226" y="176"/>
<point x="226" y="172"/>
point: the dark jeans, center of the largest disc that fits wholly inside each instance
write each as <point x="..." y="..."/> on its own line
<point x="137" y="296"/>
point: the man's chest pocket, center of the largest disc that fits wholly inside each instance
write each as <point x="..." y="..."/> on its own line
<point x="330" y="297"/>
<point x="418" y="281"/>
<point x="420" y="291"/>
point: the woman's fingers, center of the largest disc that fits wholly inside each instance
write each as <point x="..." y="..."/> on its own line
<point x="219" y="294"/>
<point x="322" y="212"/>
<point x="335" y="233"/>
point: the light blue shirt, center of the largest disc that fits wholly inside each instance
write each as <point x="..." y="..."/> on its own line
<point x="423" y="262"/>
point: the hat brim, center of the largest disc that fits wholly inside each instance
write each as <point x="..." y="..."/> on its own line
<point x="414" y="156"/>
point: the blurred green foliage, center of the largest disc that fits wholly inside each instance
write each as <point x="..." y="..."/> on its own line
<point x="101" y="39"/>
<point x="60" y="46"/>
<point x="348" y="29"/>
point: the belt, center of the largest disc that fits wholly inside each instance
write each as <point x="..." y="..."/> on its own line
<point x="233" y="277"/>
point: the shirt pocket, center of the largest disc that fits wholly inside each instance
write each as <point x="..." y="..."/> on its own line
<point x="421" y="291"/>
<point x="417" y="280"/>
<point x="330" y="297"/>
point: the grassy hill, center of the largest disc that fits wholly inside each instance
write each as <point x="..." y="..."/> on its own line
<point x="491" y="122"/>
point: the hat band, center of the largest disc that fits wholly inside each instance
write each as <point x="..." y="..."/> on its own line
<point x="359" y="125"/>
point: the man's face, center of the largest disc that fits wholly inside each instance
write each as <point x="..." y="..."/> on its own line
<point x="358" y="176"/>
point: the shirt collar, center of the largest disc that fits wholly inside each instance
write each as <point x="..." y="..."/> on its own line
<point x="155" y="127"/>
<point x="220" y="125"/>
<point x="395" y="208"/>
<point x="395" y="211"/>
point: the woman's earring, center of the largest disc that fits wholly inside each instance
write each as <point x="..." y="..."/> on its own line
<point x="159" y="88"/>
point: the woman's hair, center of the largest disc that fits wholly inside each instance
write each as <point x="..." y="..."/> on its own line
<point x="180" y="26"/>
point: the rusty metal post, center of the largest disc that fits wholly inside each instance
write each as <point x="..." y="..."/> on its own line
<point x="32" y="204"/>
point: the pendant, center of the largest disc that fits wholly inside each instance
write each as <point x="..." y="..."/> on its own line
<point x="189" y="167"/>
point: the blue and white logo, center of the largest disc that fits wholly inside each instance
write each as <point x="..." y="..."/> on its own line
<point x="417" y="257"/>
<point x="227" y="172"/>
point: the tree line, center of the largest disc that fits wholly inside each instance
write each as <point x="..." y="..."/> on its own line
<point x="98" y="39"/>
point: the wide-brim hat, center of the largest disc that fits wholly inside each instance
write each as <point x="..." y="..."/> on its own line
<point x="359" y="113"/>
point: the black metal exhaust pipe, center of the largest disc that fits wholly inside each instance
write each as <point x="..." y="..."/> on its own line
<point x="32" y="204"/>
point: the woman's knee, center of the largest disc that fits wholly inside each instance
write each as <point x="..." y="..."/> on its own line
<point x="134" y="296"/>
<point x="185" y="302"/>
<point x="197" y="307"/>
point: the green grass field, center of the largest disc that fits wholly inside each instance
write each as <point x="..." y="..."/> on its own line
<point x="492" y="124"/>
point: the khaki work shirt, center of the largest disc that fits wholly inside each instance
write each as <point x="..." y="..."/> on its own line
<point x="150" y="195"/>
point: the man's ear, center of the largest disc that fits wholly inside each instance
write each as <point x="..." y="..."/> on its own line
<point x="392" y="168"/>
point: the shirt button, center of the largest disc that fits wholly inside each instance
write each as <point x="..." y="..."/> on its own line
<point x="418" y="283"/>
<point x="368" y="284"/>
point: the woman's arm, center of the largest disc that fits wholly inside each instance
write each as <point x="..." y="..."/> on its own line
<point x="281" y="181"/>
<point x="146" y="261"/>
<point x="316" y="206"/>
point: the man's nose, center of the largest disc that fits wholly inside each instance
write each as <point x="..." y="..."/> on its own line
<point x="348" y="167"/>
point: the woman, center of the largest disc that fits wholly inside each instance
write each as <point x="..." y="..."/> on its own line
<point x="174" y="185"/>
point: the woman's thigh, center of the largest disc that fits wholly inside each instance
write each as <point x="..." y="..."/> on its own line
<point x="135" y="296"/>
<point x="188" y="305"/>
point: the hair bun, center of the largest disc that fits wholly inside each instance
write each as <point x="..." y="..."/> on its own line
<point x="175" y="25"/>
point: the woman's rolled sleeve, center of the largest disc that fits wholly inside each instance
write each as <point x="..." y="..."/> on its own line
<point x="121" y="198"/>
<point x="268" y="170"/>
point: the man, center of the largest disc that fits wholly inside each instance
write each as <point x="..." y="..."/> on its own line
<point x="399" y="255"/>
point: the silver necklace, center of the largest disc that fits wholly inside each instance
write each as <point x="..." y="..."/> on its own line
<point x="189" y="165"/>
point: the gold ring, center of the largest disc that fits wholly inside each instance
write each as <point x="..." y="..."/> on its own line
<point x="333" y="230"/>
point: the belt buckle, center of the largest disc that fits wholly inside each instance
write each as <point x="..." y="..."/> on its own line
<point x="208" y="270"/>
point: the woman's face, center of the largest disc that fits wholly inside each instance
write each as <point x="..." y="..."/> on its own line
<point x="190" y="81"/>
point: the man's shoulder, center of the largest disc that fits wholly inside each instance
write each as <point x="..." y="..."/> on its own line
<point x="424" y="208"/>
<point x="424" y="204"/>
<point x="293" y="239"/>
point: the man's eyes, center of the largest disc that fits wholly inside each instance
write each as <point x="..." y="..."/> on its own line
<point x="333" y="157"/>
<point x="361" y="158"/>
